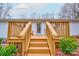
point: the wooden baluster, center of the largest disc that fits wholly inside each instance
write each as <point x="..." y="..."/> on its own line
<point x="63" y="28"/>
<point x="68" y="28"/>
<point x="53" y="43"/>
<point x="9" y="29"/>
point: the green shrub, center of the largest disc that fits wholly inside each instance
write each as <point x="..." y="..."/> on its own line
<point x="2" y="51"/>
<point x="8" y="50"/>
<point x="1" y="40"/>
<point x="68" y="44"/>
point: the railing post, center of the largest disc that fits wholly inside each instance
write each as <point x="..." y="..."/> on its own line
<point x="50" y="32"/>
<point x="26" y="33"/>
<point x="9" y="29"/>
<point x="53" y="43"/>
<point x="23" y="48"/>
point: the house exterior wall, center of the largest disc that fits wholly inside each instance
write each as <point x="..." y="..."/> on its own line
<point x="34" y="29"/>
<point x="43" y="28"/>
<point x="3" y="29"/>
<point x="74" y="29"/>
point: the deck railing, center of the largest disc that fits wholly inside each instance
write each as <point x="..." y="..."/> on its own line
<point x="14" y="28"/>
<point x="26" y="34"/>
<point x="50" y="33"/>
<point x="19" y="34"/>
<point x="61" y="27"/>
<point x="21" y="40"/>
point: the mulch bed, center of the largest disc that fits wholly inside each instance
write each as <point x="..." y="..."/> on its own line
<point x="59" y="53"/>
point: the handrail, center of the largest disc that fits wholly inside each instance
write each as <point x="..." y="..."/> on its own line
<point x="23" y="38"/>
<point x="53" y="32"/>
<point x="25" y="30"/>
<point x="26" y="33"/>
<point x="50" y="32"/>
<point x="14" y="28"/>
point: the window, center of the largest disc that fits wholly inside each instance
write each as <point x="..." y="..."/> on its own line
<point x="77" y="14"/>
<point x="38" y="28"/>
<point x="78" y="5"/>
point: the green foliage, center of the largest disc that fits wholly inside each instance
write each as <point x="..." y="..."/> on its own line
<point x="8" y="50"/>
<point x="1" y="40"/>
<point x="0" y="46"/>
<point x="68" y="44"/>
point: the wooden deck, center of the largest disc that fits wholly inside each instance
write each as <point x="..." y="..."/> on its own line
<point x="20" y="34"/>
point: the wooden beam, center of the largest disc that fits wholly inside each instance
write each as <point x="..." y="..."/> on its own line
<point x="14" y="40"/>
<point x="25" y="29"/>
<point x="53" y="32"/>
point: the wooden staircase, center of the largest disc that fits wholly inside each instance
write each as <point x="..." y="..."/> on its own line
<point x="38" y="46"/>
<point x="20" y="34"/>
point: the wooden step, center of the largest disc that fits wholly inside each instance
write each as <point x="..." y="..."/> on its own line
<point x="38" y="50"/>
<point x="38" y="54"/>
<point x="38" y="40"/>
<point x="38" y="44"/>
<point x="38" y="37"/>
